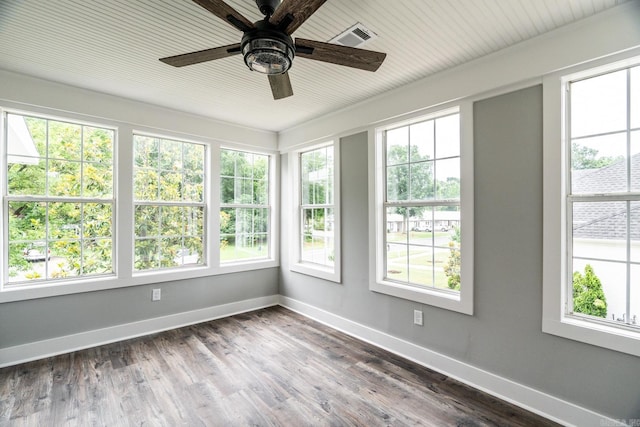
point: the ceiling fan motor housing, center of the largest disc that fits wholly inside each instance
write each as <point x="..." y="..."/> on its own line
<point x="267" y="49"/>
<point x="267" y="7"/>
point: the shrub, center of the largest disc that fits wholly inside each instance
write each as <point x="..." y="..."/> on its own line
<point x="588" y="295"/>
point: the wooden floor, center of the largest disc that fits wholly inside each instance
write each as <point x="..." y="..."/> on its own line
<point x="270" y="367"/>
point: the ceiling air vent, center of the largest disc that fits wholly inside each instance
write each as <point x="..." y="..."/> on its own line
<point x="355" y="36"/>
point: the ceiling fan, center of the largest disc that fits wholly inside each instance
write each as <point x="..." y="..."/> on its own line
<point x="267" y="45"/>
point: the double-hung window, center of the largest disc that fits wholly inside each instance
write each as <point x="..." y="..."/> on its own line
<point x="58" y="200"/>
<point x="245" y="206"/>
<point x="596" y="295"/>
<point x="316" y="211"/>
<point x="422" y="246"/>
<point x="169" y="203"/>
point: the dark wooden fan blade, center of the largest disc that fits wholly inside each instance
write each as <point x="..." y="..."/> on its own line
<point x="226" y="13"/>
<point x="202" y="55"/>
<point x="338" y="54"/>
<point x="299" y="11"/>
<point x="280" y="85"/>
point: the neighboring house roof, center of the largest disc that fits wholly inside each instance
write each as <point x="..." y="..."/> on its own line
<point x="606" y="220"/>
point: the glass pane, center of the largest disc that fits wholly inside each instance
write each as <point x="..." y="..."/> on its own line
<point x="97" y="220"/>
<point x="26" y="139"/>
<point x="193" y="186"/>
<point x="171" y="186"/>
<point x="98" y="145"/>
<point x="448" y="179"/>
<point x="64" y="178"/>
<point x="397" y="224"/>
<point x="598" y="164"/>
<point x="599" y="104"/>
<point x="397" y="262"/>
<point x="171" y="221"/>
<point x="599" y="288"/>
<point x="634" y="90"/>
<point x="193" y="157"/>
<point x="227" y="190"/>
<point x="146" y="254"/>
<point x="169" y="250"/>
<point x="244" y="165"/>
<point x="194" y="221"/>
<point x="21" y="266"/>
<point x="635" y="231"/>
<point x="421" y="225"/>
<point x="422" y="138"/>
<point x="397" y="146"/>
<point x="260" y="192"/>
<point x="635" y="160"/>
<point x="97" y="256"/>
<point x="27" y="221"/>
<point x="66" y="259"/>
<point x="146" y="151"/>
<point x="448" y="136"/>
<point x="446" y="224"/>
<point x="600" y="230"/>
<point x="634" y="298"/>
<point x="170" y="155"/>
<point x="64" y="141"/>
<point x="397" y="183"/>
<point x="65" y="220"/>
<point x="227" y="163"/>
<point x="422" y="181"/>
<point x="145" y="184"/>
<point x="421" y="265"/>
<point x="260" y="167"/>
<point x="147" y="221"/>
<point x="449" y="260"/>
<point x="97" y="180"/>
<point x="27" y="179"/>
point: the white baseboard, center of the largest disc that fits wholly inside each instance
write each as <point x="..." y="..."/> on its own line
<point x="60" y="345"/>
<point x="548" y="406"/>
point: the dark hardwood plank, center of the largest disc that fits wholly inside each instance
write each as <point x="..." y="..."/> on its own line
<point x="270" y="367"/>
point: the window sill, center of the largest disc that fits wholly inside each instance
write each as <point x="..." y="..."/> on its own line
<point x="44" y="290"/>
<point x="316" y="270"/>
<point x="442" y="299"/>
<point x="610" y="337"/>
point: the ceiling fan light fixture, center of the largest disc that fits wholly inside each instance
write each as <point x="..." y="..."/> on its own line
<point x="267" y="55"/>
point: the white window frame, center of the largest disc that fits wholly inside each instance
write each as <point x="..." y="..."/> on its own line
<point x="462" y="301"/>
<point x="556" y="260"/>
<point x="164" y="203"/>
<point x="271" y="260"/>
<point x="332" y="273"/>
<point x="124" y="211"/>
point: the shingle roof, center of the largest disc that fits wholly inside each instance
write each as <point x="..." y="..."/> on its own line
<point x="606" y="220"/>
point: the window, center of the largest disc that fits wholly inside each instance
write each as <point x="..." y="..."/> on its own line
<point x="59" y="201"/>
<point x="599" y="284"/>
<point x="169" y="203"/>
<point x="419" y="204"/>
<point x="245" y="206"/>
<point x="316" y="196"/>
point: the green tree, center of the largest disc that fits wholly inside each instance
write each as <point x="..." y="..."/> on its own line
<point x="583" y="157"/>
<point x="408" y="181"/>
<point x="588" y="295"/>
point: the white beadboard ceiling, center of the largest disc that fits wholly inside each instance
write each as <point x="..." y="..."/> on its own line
<point x="113" y="46"/>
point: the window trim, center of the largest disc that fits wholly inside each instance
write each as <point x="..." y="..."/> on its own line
<point x="463" y="301"/>
<point x="296" y="264"/>
<point x="555" y="222"/>
<point x="123" y="210"/>
<point x="205" y="203"/>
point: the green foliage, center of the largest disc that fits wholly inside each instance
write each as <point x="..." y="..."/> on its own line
<point x="588" y="295"/>
<point x="72" y="161"/>
<point x="452" y="267"/>
<point x="587" y="158"/>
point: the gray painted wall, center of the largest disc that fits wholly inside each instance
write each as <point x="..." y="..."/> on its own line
<point x="39" y="319"/>
<point x="504" y="335"/>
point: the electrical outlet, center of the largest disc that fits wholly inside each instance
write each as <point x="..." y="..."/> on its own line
<point x="417" y="317"/>
<point x="156" y="295"/>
